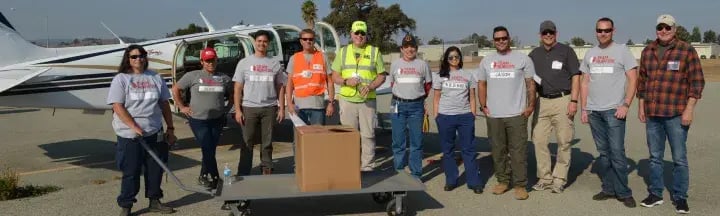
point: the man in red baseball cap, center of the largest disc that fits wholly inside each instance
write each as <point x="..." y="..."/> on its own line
<point x="205" y="111"/>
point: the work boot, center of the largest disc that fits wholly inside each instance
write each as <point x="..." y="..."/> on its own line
<point x="500" y="188"/>
<point x="125" y="212"/>
<point x="157" y="206"/>
<point x="521" y="193"/>
<point x="203" y="181"/>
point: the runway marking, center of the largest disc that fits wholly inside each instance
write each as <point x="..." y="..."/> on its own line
<point x="69" y="167"/>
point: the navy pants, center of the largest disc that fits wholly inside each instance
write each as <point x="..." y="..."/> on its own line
<point x="207" y="134"/>
<point x="464" y="126"/>
<point x="131" y="159"/>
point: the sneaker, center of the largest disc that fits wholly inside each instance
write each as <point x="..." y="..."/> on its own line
<point x="157" y="206"/>
<point x="541" y="186"/>
<point x="125" y="212"/>
<point x="602" y="196"/>
<point x="652" y="201"/>
<point x="366" y="169"/>
<point x="500" y="188"/>
<point x="558" y="189"/>
<point x="681" y="206"/>
<point x="521" y="193"/>
<point x="628" y="202"/>
<point x="203" y="181"/>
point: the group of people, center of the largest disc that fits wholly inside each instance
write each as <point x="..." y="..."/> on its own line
<point x="548" y="86"/>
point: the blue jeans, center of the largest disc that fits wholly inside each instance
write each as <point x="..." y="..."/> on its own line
<point x="657" y="129"/>
<point x="312" y="116"/>
<point x="207" y="134"/>
<point x="407" y="122"/>
<point x="609" y="135"/>
<point x="130" y="158"/>
<point x="464" y="126"/>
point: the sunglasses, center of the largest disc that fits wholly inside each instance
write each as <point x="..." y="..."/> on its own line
<point x="498" y="39"/>
<point x="361" y="33"/>
<point x="548" y="32"/>
<point x="661" y="27"/>
<point x="453" y="57"/>
<point x="307" y="39"/>
<point x="138" y="56"/>
<point x="603" y="30"/>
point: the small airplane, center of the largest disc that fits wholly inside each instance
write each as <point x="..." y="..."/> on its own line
<point x="79" y="77"/>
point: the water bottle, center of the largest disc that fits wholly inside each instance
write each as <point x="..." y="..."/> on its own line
<point x="226" y="173"/>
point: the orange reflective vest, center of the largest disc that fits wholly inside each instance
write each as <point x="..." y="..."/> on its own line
<point x="309" y="79"/>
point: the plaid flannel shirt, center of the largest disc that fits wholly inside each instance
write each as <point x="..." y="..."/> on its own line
<point x="666" y="92"/>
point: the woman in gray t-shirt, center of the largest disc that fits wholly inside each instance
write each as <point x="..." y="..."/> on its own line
<point x="139" y="99"/>
<point x="454" y="111"/>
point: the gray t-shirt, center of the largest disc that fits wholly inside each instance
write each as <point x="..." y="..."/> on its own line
<point x="259" y="76"/>
<point x="207" y="93"/>
<point x="409" y="78"/>
<point x="607" y="68"/>
<point x="310" y="102"/>
<point x="455" y="92"/>
<point x="505" y="76"/>
<point x="140" y="94"/>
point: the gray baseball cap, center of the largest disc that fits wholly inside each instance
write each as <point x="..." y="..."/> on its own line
<point x="547" y="25"/>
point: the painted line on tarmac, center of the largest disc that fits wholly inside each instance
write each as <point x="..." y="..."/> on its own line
<point x="180" y="152"/>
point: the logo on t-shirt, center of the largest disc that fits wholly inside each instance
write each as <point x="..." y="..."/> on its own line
<point x="602" y="60"/>
<point x="142" y="84"/>
<point x="260" y="68"/>
<point x="408" y="71"/>
<point x="502" y="65"/>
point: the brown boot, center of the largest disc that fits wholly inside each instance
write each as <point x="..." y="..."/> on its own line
<point x="266" y="171"/>
<point x="500" y="188"/>
<point x="521" y="193"/>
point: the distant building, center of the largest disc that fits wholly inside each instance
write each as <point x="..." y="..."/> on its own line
<point x="703" y="49"/>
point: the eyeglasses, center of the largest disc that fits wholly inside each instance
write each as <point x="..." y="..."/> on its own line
<point x="453" y="57"/>
<point x="662" y="26"/>
<point x="307" y="39"/>
<point x="548" y="32"/>
<point x="603" y="30"/>
<point x="138" y="56"/>
<point x="360" y="33"/>
<point x="498" y="39"/>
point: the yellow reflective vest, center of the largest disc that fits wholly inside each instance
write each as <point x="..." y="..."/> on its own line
<point x="363" y="69"/>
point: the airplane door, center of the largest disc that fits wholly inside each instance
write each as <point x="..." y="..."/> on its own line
<point x="178" y="63"/>
<point x="329" y="40"/>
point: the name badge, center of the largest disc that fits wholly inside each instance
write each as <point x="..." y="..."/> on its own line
<point x="502" y="75"/>
<point x="211" y="89"/>
<point x="556" y="65"/>
<point x="673" y="65"/>
<point x="599" y="70"/>
<point x="306" y="74"/>
<point x="317" y="67"/>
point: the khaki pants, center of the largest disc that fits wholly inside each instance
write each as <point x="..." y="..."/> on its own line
<point x="551" y="115"/>
<point x="363" y="117"/>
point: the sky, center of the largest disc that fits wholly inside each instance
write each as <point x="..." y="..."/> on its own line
<point x="446" y="19"/>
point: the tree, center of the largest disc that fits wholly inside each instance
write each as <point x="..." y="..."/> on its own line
<point x="630" y="42"/>
<point x="577" y="41"/>
<point x="709" y="36"/>
<point x="383" y="23"/>
<point x="648" y="41"/>
<point x="515" y="41"/>
<point x="695" y="36"/>
<point x="682" y="33"/>
<point x="309" y="13"/>
<point x="435" y="41"/>
<point x="191" y="29"/>
<point x="480" y="40"/>
<point x="418" y="40"/>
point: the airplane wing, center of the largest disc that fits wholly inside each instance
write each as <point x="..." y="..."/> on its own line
<point x="12" y="77"/>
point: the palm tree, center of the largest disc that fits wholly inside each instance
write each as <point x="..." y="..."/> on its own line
<point x="309" y="13"/>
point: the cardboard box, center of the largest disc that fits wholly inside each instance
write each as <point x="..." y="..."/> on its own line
<point x="327" y="158"/>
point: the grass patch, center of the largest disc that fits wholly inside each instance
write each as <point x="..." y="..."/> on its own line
<point x="10" y="188"/>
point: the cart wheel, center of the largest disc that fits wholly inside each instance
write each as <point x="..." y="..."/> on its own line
<point x="242" y="213"/>
<point x="392" y="211"/>
<point x="382" y="198"/>
<point x="244" y="205"/>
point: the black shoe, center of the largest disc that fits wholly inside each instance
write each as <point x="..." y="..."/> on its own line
<point x="477" y="190"/>
<point x="651" y="201"/>
<point x="628" y="202"/>
<point x="157" y="206"/>
<point x="226" y="205"/>
<point x="681" y="206"/>
<point x="203" y="181"/>
<point x="125" y="212"/>
<point x="449" y="187"/>
<point x="602" y="196"/>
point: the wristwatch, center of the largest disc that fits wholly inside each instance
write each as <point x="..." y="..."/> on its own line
<point x="626" y="105"/>
<point x="573" y="101"/>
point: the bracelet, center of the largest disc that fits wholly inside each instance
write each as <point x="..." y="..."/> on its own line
<point x="626" y="105"/>
<point x="344" y="82"/>
<point x="171" y="128"/>
<point x="573" y="101"/>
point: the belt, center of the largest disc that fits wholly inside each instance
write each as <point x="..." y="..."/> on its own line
<point x="556" y="95"/>
<point x="421" y="98"/>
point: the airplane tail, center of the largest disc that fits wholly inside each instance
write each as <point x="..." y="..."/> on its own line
<point x="15" y="48"/>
